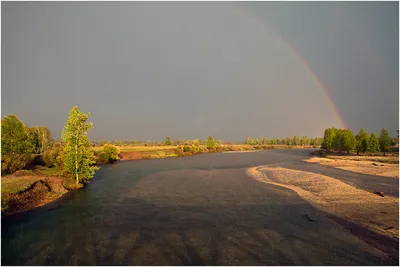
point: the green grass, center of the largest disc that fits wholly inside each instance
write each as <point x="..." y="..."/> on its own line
<point x="47" y="171"/>
<point x="16" y="184"/>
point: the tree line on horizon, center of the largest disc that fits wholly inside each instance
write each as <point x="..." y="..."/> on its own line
<point x="72" y="156"/>
<point x="344" y="140"/>
<point x="290" y="141"/>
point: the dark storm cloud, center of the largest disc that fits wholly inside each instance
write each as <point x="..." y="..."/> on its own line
<point x="188" y="70"/>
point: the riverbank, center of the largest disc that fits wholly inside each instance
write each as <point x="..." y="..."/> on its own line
<point x="387" y="166"/>
<point x="27" y="189"/>
<point x="159" y="152"/>
<point x="364" y="209"/>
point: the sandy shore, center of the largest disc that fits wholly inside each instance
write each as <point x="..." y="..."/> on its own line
<point x="364" y="167"/>
<point x="330" y="195"/>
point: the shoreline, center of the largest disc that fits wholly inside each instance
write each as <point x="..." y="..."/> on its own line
<point x="369" y="216"/>
<point x="43" y="192"/>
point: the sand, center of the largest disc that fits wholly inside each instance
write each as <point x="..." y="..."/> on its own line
<point x="330" y="195"/>
<point x="364" y="167"/>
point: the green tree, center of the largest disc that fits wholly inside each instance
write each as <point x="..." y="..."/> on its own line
<point x="210" y="142"/>
<point x="76" y="154"/>
<point x="362" y="141"/>
<point x="384" y="141"/>
<point x="264" y="141"/>
<point x="45" y="139"/>
<point x="348" y="141"/>
<point x="51" y="156"/>
<point x="16" y="144"/>
<point x="337" y="140"/>
<point x="247" y="141"/>
<point x="373" y="144"/>
<point x="109" y="153"/>
<point x="167" y="141"/>
<point x="329" y="136"/>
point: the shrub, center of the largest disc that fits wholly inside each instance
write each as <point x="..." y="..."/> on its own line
<point x="146" y="157"/>
<point x="186" y="148"/>
<point x="70" y="184"/>
<point x="108" y="154"/>
<point x="50" y="156"/>
<point x="179" y="151"/>
<point x="11" y="163"/>
<point x="196" y="149"/>
<point x="210" y="142"/>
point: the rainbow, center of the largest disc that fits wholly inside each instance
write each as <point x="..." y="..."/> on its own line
<point x="338" y="115"/>
<point x="324" y="89"/>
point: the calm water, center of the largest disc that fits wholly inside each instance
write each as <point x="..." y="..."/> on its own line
<point x="124" y="217"/>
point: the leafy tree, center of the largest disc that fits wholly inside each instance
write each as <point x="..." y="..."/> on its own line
<point x="76" y="155"/>
<point x="362" y="141"/>
<point x="337" y="140"/>
<point x="45" y="139"/>
<point x="51" y="156"/>
<point x="210" y="142"/>
<point x="329" y="136"/>
<point x="264" y="141"/>
<point x="373" y="144"/>
<point x="16" y="144"/>
<point x="167" y="141"/>
<point x="348" y="141"/>
<point x="295" y="141"/>
<point x="384" y="141"/>
<point x="304" y="141"/>
<point x="109" y="153"/>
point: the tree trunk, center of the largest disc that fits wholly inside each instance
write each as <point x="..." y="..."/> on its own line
<point x="76" y="162"/>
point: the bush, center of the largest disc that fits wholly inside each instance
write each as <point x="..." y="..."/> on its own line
<point x="70" y="184"/>
<point x="11" y="163"/>
<point x="108" y="154"/>
<point x="179" y="151"/>
<point x="267" y="147"/>
<point x="196" y="149"/>
<point x="146" y="157"/>
<point x="186" y="148"/>
<point x="50" y="156"/>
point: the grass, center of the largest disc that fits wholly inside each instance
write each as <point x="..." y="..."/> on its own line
<point x="139" y="148"/>
<point x="16" y="184"/>
<point x="47" y="171"/>
<point x="390" y="158"/>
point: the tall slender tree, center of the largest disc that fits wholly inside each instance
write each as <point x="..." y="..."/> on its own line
<point x="373" y="144"/>
<point x="362" y="142"/>
<point x="384" y="141"/>
<point x="77" y="156"/>
<point x="329" y="136"/>
<point x="167" y="141"/>
<point x="210" y="142"/>
<point x="348" y="140"/>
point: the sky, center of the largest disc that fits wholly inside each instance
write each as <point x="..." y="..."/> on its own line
<point x="146" y="70"/>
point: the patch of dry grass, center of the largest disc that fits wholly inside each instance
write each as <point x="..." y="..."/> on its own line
<point x="364" y="167"/>
<point x="380" y="214"/>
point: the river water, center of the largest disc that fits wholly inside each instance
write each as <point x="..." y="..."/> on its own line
<point x="181" y="211"/>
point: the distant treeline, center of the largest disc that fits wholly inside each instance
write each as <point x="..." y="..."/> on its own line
<point x="343" y="140"/>
<point x="168" y="142"/>
<point x="295" y="141"/>
<point x="290" y="141"/>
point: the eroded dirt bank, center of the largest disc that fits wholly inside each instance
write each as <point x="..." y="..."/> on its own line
<point x="30" y="192"/>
